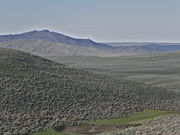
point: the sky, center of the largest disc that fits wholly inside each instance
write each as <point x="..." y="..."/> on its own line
<point x="100" y="20"/>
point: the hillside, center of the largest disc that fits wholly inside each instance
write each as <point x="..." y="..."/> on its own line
<point x="167" y="125"/>
<point x="154" y="69"/>
<point x="37" y="93"/>
<point x="46" y="48"/>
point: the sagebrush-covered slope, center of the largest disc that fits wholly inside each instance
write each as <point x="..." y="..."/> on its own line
<point x="166" y="125"/>
<point x="36" y="93"/>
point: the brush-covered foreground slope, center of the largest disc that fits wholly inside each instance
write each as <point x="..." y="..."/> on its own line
<point x="36" y="93"/>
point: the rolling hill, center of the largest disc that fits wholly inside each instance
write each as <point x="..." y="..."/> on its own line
<point x="46" y="48"/>
<point x="146" y="47"/>
<point x="160" y="70"/>
<point x="36" y="93"/>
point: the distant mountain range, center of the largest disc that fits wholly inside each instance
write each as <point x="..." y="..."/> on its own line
<point x="54" y="37"/>
<point x="46" y="43"/>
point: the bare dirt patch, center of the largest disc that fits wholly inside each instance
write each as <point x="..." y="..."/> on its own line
<point x="94" y="129"/>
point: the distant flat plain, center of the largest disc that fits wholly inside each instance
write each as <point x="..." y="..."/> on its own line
<point x="155" y="69"/>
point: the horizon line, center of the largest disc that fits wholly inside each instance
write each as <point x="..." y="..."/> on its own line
<point x="111" y="41"/>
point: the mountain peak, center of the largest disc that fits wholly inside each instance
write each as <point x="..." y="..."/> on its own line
<point x="45" y="30"/>
<point x="55" y="37"/>
<point x="36" y="31"/>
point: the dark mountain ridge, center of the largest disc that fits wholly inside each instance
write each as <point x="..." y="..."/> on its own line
<point x="46" y="35"/>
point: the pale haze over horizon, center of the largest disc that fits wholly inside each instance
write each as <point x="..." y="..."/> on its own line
<point x="100" y="20"/>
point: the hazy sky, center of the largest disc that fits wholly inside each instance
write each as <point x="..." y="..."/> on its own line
<point x="101" y="20"/>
